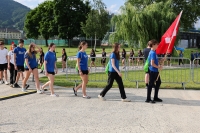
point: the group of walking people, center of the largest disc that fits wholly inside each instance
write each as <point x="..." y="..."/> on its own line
<point x="22" y="62"/>
<point x="152" y="77"/>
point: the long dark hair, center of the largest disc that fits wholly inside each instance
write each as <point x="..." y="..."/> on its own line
<point x="92" y="51"/>
<point x="132" y="51"/>
<point x="83" y="43"/>
<point x="116" y="51"/>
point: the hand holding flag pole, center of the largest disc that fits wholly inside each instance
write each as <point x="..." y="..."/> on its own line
<point x="168" y="39"/>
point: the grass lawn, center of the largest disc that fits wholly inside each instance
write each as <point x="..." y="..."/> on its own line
<point x="169" y="76"/>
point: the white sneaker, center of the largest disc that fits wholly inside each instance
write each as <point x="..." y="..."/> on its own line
<point x="54" y="95"/>
<point x="41" y="89"/>
<point x="1" y="82"/>
<point x="101" y="98"/>
<point x="39" y="92"/>
<point x="24" y="90"/>
<point x="126" y="100"/>
<point x="6" y="83"/>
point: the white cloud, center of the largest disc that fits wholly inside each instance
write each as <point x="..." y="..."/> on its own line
<point x="30" y="3"/>
<point x="113" y="9"/>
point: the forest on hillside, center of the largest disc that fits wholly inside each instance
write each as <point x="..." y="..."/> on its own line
<point x="12" y="14"/>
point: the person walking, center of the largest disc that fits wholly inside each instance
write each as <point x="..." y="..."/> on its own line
<point x="3" y="63"/>
<point x="154" y="73"/>
<point x="146" y="54"/>
<point x="123" y="57"/>
<point x="180" y="58"/>
<point x="31" y="66"/>
<point x="131" y="58"/>
<point x="11" y="67"/>
<point x="50" y="69"/>
<point x="64" y="59"/>
<point x="103" y="60"/>
<point x="114" y="74"/>
<point x="92" y="56"/>
<point x="41" y="59"/>
<point x="82" y="63"/>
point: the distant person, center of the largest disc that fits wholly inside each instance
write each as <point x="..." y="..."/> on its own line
<point x="103" y="60"/>
<point x="140" y="57"/>
<point x="31" y="66"/>
<point x="123" y="57"/>
<point x="114" y="74"/>
<point x="146" y="54"/>
<point x="153" y="74"/>
<point x="192" y="56"/>
<point x="64" y="59"/>
<point x="11" y="67"/>
<point x="131" y="58"/>
<point x="93" y="57"/>
<point x="180" y="58"/>
<point x="3" y="63"/>
<point x="19" y="53"/>
<point x="82" y="63"/>
<point x="41" y="59"/>
<point x="50" y="69"/>
<point x="196" y="56"/>
<point x="169" y="59"/>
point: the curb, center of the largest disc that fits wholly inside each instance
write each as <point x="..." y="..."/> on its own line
<point x="18" y="95"/>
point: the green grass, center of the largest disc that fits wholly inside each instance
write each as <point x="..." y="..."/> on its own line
<point x="169" y="76"/>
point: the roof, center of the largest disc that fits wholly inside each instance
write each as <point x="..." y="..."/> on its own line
<point x="9" y="30"/>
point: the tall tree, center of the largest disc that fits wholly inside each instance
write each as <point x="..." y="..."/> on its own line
<point x="68" y="16"/>
<point x="139" y="26"/>
<point x="40" y="21"/>
<point x="191" y="10"/>
<point x="97" y="23"/>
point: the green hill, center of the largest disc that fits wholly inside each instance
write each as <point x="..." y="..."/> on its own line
<point x="12" y="14"/>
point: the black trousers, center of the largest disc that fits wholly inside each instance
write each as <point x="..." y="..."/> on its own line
<point x="153" y="76"/>
<point x="111" y="77"/>
<point x="13" y="74"/>
<point x="180" y="61"/>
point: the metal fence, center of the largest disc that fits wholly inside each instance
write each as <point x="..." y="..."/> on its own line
<point x="175" y="70"/>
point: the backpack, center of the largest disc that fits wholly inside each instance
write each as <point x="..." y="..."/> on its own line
<point x="107" y="67"/>
<point x="146" y="65"/>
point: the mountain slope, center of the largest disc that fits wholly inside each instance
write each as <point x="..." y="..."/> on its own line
<point x="12" y="14"/>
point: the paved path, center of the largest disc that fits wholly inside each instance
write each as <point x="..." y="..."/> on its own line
<point x="179" y="113"/>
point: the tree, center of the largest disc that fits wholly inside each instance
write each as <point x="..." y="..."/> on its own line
<point x="138" y="26"/>
<point x="68" y="16"/>
<point x="31" y="26"/>
<point x="191" y="10"/>
<point x="47" y="23"/>
<point x="40" y="21"/>
<point x="97" y="23"/>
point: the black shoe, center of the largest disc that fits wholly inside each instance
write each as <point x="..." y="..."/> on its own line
<point x="26" y="86"/>
<point x="150" y="101"/>
<point x="15" y="85"/>
<point x="157" y="99"/>
<point x="75" y="92"/>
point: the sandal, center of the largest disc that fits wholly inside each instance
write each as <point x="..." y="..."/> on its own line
<point x="54" y="95"/>
<point x="86" y="97"/>
<point x="75" y="92"/>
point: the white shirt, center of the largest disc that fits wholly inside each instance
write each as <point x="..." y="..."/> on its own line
<point x="11" y="54"/>
<point x="3" y="54"/>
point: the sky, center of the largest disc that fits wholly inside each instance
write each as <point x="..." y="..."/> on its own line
<point x="112" y="5"/>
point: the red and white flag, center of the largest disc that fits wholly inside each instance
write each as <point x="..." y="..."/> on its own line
<point x="168" y="39"/>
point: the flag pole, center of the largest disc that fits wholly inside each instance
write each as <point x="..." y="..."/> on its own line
<point x="170" y="43"/>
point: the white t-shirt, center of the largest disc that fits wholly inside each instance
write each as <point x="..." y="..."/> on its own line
<point x="11" y="54"/>
<point x="3" y="54"/>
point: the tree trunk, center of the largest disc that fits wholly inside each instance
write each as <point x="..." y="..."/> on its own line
<point x="46" y="41"/>
<point x="95" y="42"/>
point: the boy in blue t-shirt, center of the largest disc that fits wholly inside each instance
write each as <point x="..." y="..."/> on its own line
<point x="153" y="74"/>
<point x="19" y="53"/>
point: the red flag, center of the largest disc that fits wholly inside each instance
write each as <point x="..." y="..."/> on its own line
<point x="168" y="39"/>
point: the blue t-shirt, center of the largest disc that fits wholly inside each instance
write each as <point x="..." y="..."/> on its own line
<point x="31" y="61"/>
<point x="84" y="60"/>
<point x="153" y="56"/>
<point x="20" y="52"/>
<point x="50" y="57"/>
<point x="111" y="69"/>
